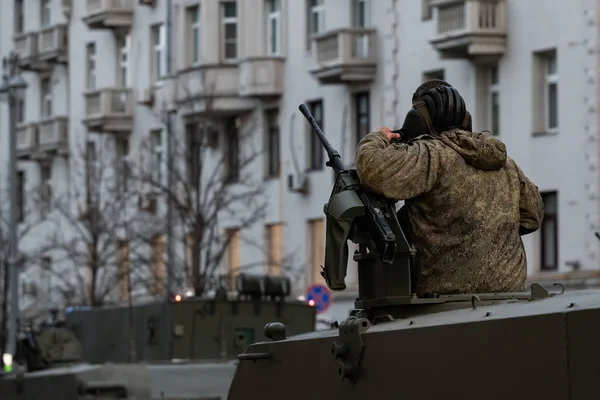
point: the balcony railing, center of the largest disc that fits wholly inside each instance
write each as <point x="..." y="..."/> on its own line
<point x="261" y="76"/>
<point x="470" y="28"/>
<point x="109" y="109"/>
<point x="346" y="55"/>
<point x="108" y="14"/>
<point x="27" y="140"/>
<point x="26" y="47"/>
<point x="53" y="135"/>
<point x="53" y="43"/>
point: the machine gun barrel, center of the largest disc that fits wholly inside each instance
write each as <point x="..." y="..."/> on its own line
<point x="335" y="160"/>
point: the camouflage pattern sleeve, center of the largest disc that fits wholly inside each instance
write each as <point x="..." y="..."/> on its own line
<point x="397" y="171"/>
<point x="531" y="205"/>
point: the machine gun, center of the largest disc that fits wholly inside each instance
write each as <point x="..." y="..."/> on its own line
<point x="384" y="257"/>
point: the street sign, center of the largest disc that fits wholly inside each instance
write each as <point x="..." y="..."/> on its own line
<point x="319" y="297"/>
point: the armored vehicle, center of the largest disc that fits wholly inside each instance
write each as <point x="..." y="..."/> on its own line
<point x="183" y="349"/>
<point x="541" y="344"/>
<point x="196" y="328"/>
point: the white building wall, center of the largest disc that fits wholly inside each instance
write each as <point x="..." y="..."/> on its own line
<point x="565" y="162"/>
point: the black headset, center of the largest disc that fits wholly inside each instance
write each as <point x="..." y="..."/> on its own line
<point x="438" y="109"/>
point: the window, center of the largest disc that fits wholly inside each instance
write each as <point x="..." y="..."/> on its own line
<point x="437" y="74"/>
<point x="91" y="65"/>
<point x="20" y="196"/>
<point x="545" y="96"/>
<point x="317" y="16"/>
<point x="157" y="147"/>
<point x="426" y="10"/>
<point x="549" y="232"/>
<point x="362" y="109"/>
<point x="551" y="93"/>
<point x="316" y="232"/>
<point x="229" y="30"/>
<point x="159" y="61"/>
<point x="193" y="16"/>
<point x="122" y="168"/>
<point x="124" y="44"/>
<point x="273" y="27"/>
<point x="19" y="17"/>
<point x="46" y="13"/>
<point x="20" y="110"/>
<point x="361" y="13"/>
<point x="194" y="148"/>
<point x="274" y="248"/>
<point x="315" y="20"/>
<point x="46" y="94"/>
<point x="123" y="269"/>
<point x="46" y="190"/>
<point x="272" y="142"/>
<point x="494" y="111"/>
<point x="158" y="265"/>
<point x="232" y="149"/>
<point x="315" y="156"/>
<point x="232" y="256"/>
<point x="46" y="279"/>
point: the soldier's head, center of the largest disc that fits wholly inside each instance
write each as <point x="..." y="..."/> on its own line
<point x="439" y="107"/>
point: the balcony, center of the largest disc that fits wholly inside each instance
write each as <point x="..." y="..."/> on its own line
<point x="53" y="136"/>
<point x="109" y="14"/>
<point x="346" y="55"/>
<point x="109" y="110"/>
<point x="212" y="89"/>
<point x="27" y="141"/>
<point x="261" y="77"/>
<point x="53" y="44"/>
<point x="26" y="46"/>
<point x="471" y="29"/>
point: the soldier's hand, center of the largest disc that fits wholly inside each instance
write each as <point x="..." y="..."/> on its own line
<point x="388" y="132"/>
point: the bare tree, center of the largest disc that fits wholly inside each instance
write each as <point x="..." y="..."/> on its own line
<point x="217" y="182"/>
<point x="89" y="242"/>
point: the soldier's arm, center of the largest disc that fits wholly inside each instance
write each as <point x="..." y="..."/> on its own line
<point x="398" y="171"/>
<point x="531" y="206"/>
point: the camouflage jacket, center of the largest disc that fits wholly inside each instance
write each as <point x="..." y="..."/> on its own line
<point x="467" y="205"/>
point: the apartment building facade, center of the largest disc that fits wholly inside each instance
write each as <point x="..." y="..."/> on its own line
<point x="99" y="69"/>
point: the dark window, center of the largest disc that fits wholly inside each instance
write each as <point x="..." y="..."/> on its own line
<point x="315" y="160"/>
<point x="362" y="108"/>
<point x="20" y="196"/>
<point x="194" y="144"/>
<point x="437" y="74"/>
<point x="232" y="149"/>
<point x="19" y="17"/>
<point x="549" y="242"/>
<point x="272" y="142"/>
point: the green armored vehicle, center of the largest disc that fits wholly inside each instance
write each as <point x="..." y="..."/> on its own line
<point x="540" y="344"/>
<point x="183" y="349"/>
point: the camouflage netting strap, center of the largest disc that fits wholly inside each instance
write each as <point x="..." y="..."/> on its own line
<point x="337" y="234"/>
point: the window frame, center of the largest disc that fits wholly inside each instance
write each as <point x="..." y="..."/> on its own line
<point x="45" y="14"/>
<point x="273" y="19"/>
<point x="550" y="79"/>
<point x="19" y="17"/>
<point x="224" y="41"/>
<point x="232" y="150"/>
<point x="272" y="135"/>
<point x="158" y="155"/>
<point x="549" y="216"/>
<point x="356" y="8"/>
<point x="194" y="33"/>
<point x="494" y="91"/>
<point x="91" y="64"/>
<point x="159" y="61"/>
<point x="315" y="148"/>
<point x="124" y="60"/>
<point x="46" y="97"/>
<point x="358" y="96"/>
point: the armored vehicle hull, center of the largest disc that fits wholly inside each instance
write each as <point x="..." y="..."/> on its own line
<point x="161" y="381"/>
<point x="538" y="349"/>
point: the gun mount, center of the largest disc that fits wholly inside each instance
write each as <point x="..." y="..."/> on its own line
<point x="385" y="258"/>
